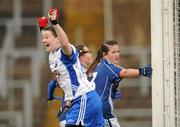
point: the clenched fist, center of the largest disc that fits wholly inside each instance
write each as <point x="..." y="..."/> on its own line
<point x="42" y="22"/>
<point x="53" y="15"/>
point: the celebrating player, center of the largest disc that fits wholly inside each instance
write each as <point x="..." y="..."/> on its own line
<point x="106" y="75"/>
<point x="86" y="60"/>
<point x="85" y="108"/>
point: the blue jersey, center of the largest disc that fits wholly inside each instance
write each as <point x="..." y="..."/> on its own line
<point x="105" y="76"/>
<point x="69" y="73"/>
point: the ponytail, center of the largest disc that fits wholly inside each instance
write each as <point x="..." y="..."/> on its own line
<point x="101" y="52"/>
<point x="95" y="62"/>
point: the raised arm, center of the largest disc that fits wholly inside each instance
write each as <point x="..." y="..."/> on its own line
<point x="63" y="39"/>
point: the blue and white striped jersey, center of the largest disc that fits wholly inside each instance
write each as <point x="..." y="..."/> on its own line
<point x="105" y="76"/>
<point x="69" y="73"/>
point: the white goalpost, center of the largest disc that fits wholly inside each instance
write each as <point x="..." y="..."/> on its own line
<point x="165" y="52"/>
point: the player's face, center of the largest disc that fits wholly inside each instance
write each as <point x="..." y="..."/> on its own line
<point x="49" y="41"/>
<point x="87" y="56"/>
<point x="113" y="54"/>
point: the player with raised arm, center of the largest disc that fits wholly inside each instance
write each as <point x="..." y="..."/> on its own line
<point x="65" y="64"/>
<point x="86" y="60"/>
<point x="106" y="75"/>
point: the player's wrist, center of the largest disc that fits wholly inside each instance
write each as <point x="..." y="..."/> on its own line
<point x="66" y="106"/>
<point x="54" y="22"/>
<point x="140" y="71"/>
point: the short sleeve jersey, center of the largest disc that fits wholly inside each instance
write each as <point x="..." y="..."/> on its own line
<point x="105" y="75"/>
<point x="69" y="73"/>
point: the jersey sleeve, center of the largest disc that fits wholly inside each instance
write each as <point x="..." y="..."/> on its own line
<point x="113" y="72"/>
<point x="73" y="56"/>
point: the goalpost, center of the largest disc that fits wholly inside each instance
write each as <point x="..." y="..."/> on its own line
<point x="165" y="52"/>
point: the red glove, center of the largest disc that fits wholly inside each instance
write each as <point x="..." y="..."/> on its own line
<point x="53" y="15"/>
<point x="42" y="22"/>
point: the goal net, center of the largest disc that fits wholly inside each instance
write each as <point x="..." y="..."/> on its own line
<point x="165" y="52"/>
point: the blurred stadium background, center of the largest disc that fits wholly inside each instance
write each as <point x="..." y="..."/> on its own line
<point x="24" y="70"/>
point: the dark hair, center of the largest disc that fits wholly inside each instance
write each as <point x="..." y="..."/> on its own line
<point x="81" y="50"/>
<point x="52" y="29"/>
<point x="101" y="52"/>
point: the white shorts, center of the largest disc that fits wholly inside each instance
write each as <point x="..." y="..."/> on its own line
<point x="112" y="122"/>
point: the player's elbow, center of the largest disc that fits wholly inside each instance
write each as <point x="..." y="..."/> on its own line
<point x="124" y="73"/>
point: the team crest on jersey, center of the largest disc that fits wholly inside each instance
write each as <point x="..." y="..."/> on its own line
<point x="53" y="65"/>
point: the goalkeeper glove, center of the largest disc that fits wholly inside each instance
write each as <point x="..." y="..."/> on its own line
<point x="146" y="71"/>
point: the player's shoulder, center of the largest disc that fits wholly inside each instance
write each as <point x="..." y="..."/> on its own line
<point x="110" y="64"/>
<point x="107" y="62"/>
<point x="55" y="54"/>
<point x="73" y="47"/>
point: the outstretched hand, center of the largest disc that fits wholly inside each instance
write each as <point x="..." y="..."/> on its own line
<point x="146" y="71"/>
